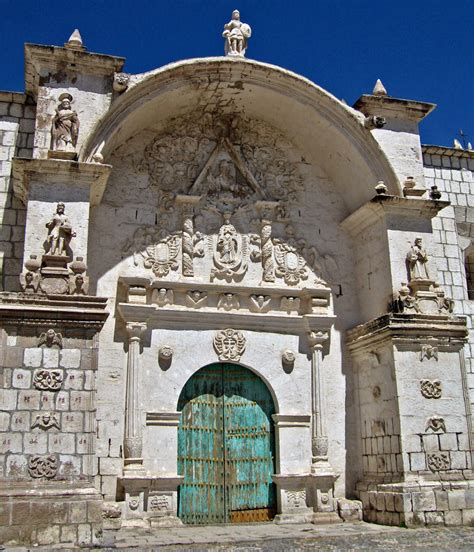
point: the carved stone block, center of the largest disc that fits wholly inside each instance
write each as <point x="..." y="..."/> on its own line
<point x="431" y="389"/>
<point x="43" y="467"/>
<point x="48" y="380"/>
<point x="438" y="461"/>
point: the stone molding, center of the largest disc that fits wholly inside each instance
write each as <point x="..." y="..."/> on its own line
<point x="68" y="311"/>
<point x="39" y="58"/>
<point x="59" y="170"/>
<point x="163" y="418"/>
<point x="409" y="331"/>
<point x="382" y="205"/>
<point x="390" y="107"/>
<point x="291" y="420"/>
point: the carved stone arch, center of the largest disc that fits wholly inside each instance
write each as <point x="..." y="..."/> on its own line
<point x="321" y="125"/>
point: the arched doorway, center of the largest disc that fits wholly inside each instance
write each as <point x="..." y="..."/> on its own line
<point x="226" y="447"/>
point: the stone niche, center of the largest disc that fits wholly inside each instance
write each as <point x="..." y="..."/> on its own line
<point x="48" y="423"/>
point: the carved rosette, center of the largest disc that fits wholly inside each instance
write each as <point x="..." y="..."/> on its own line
<point x="43" y="467"/>
<point x="229" y="344"/>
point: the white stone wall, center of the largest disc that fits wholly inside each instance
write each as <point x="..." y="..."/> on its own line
<point x="453" y="232"/>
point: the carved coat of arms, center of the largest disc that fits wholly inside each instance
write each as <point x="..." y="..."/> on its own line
<point x="291" y="266"/>
<point x="229" y="344"/>
<point x="162" y="256"/>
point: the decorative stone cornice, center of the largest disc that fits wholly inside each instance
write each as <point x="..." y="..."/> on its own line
<point x="59" y="171"/>
<point x="383" y="205"/>
<point x="444" y="332"/>
<point x="41" y="59"/>
<point x="17" y="309"/>
<point x="393" y="108"/>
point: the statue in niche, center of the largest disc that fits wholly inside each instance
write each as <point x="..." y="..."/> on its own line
<point x="227" y="244"/>
<point x="236" y="35"/>
<point x="65" y="125"/>
<point x="60" y="232"/>
<point x="417" y="260"/>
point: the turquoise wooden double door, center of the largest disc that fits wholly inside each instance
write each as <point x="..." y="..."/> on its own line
<point x="226" y="447"/>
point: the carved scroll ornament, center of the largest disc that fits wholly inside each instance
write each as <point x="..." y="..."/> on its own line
<point x="48" y="380"/>
<point x="431" y="389"/>
<point x="43" y="467"/>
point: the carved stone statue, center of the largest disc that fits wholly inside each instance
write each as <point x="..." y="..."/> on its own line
<point x="60" y="232"/>
<point x="65" y="125"/>
<point x="236" y="35"/>
<point x="417" y="259"/>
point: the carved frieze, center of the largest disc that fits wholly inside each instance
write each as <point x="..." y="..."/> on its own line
<point x="45" y="421"/>
<point x="50" y="338"/>
<point x="159" y="503"/>
<point x="431" y="389"/>
<point x="48" y="380"/>
<point x="438" y="461"/>
<point x="229" y="344"/>
<point x="43" y="467"/>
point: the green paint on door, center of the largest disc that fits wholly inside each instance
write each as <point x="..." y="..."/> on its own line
<point x="226" y="447"/>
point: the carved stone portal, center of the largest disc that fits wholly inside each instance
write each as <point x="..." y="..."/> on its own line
<point x="229" y="344"/>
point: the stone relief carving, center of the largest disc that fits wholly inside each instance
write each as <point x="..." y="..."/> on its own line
<point x="162" y="297"/>
<point x="229" y="344"/>
<point x="159" y="503"/>
<point x="417" y="260"/>
<point x="196" y="299"/>
<point x="121" y="81"/>
<point x="60" y="232"/>
<point x="50" y="338"/>
<point x="296" y="499"/>
<point x="230" y="253"/>
<point x="43" y="467"/>
<point x="162" y="257"/>
<point x="288" y="357"/>
<point x="431" y="389"/>
<point x="260" y="303"/>
<point x="428" y="351"/>
<point x="421" y="296"/>
<point x="438" y="461"/>
<point x="78" y="284"/>
<point x="65" y="128"/>
<point x="48" y="380"/>
<point x="134" y="502"/>
<point x="236" y="36"/>
<point x="435" y="424"/>
<point x="228" y="302"/>
<point x="290" y="304"/>
<point x="165" y="352"/>
<point x="45" y="421"/>
<point x="290" y="265"/>
<point x="29" y="282"/>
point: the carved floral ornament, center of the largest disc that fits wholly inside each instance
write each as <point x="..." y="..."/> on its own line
<point x="43" y="467"/>
<point x="229" y="344"/>
<point x="431" y="389"/>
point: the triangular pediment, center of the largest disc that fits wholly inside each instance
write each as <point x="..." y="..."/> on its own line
<point x="225" y="173"/>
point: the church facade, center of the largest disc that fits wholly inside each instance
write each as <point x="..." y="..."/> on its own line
<point x="228" y="297"/>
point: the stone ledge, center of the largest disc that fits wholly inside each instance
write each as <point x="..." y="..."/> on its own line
<point x="446" y="332"/>
<point x="69" y="310"/>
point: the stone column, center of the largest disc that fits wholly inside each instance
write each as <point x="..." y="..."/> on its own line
<point x="322" y="477"/>
<point x="133" y="431"/>
<point x="319" y="439"/>
<point x="187" y="204"/>
<point x="267" y="212"/>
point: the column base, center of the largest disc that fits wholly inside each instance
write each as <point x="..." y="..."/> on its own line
<point x="324" y="518"/>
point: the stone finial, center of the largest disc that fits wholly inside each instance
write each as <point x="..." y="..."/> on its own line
<point x="381" y="189"/>
<point x="236" y="36"/>
<point x="379" y="89"/>
<point x="457" y="144"/>
<point x="435" y="194"/>
<point x="75" y="41"/>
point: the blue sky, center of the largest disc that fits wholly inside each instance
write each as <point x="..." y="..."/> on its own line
<point x="421" y="50"/>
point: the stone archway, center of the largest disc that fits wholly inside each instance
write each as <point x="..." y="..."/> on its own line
<point x="226" y="447"/>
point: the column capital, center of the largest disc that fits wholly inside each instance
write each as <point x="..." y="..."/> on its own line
<point x="135" y="330"/>
<point x="267" y="209"/>
<point x="187" y="203"/>
<point x="316" y="340"/>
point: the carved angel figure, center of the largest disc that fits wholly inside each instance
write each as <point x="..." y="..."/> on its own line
<point x="196" y="298"/>
<point x="65" y="125"/>
<point x="50" y="338"/>
<point x="29" y="282"/>
<point x="162" y="297"/>
<point x="236" y="34"/>
<point x="260" y="303"/>
<point x="417" y="259"/>
<point x="46" y="420"/>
